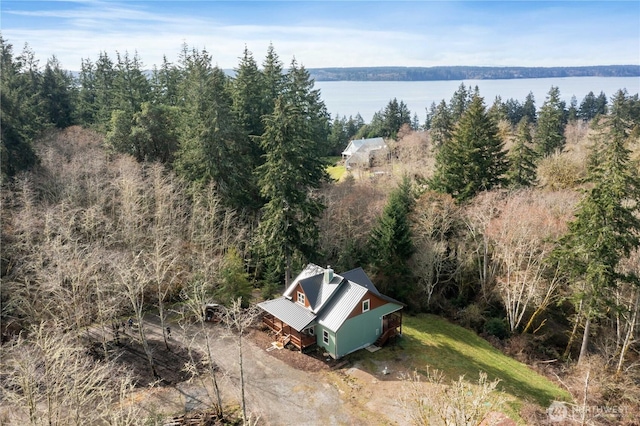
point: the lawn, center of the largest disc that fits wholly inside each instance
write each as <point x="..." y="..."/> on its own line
<point x="431" y="342"/>
<point x="335" y="170"/>
<point x="435" y="342"/>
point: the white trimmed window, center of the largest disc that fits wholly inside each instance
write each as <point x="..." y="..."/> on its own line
<point x="325" y="337"/>
<point x="366" y="305"/>
<point x="312" y="331"/>
<point x="301" y="297"/>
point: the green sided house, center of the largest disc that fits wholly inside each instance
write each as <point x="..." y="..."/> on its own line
<point x="340" y="313"/>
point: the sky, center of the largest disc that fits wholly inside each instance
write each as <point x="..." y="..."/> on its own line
<point x="332" y="33"/>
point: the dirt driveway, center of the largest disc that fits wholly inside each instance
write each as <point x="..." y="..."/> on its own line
<point x="276" y="391"/>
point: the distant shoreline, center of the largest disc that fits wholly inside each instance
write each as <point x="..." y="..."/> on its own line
<point x="448" y="73"/>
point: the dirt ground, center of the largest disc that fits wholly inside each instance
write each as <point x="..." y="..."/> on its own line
<point x="283" y="387"/>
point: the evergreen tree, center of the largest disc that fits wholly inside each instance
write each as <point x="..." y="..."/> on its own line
<point x="59" y="94"/>
<point x="86" y="108"/>
<point x="234" y="280"/>
<point x="17" y="114"/>
<point x="165" y="84"/>
<point x="273" y="79"/>
<point x="299" y="91"/>
<point x="441" y="125"/>
<point x="130" y="86"/>
<point x="459" y="102"/>
<point x="606" y="226"/>
<point x="292" y="169"/>
<point x="572" y="113"/>
<point x="103" y="84"/>
<point x="474" y="159"/>
<point x="395" y="115"/>
<point x="514" y="111"/>
<point x="210" y="138"/>
<point x="529" y="109"/>
<point x="249" y="107"/>
<point x="522" y="157"/>
<point x="549" y="136"/>
<point x="391" y="246"/>
<point x="154" y="133"/>
<point x="498" y="111"/>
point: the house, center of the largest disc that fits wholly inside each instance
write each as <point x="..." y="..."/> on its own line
<point x="364" y="152"/>
<point x="340" y="313"/>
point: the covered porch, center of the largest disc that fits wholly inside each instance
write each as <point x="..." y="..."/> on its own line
<point x="391" y="327"/>
<point x="285" y="334"/>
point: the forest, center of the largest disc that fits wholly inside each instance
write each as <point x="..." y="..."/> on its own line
<point x="124" y="192"/>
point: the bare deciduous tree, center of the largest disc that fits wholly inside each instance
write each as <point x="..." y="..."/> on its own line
<point x="522" y="237"/>
<point x="457" y="404"/>
<point x="238" y="320"/>
<point x="435" y="219"/>
<point x="49" y="379"/>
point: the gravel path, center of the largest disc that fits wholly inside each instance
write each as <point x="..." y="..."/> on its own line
<point x="279" y="393"/>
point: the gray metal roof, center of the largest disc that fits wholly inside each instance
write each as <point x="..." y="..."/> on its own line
<point x="341" y="305"/>
<point x="292" y="313"/>
<point x="309" y="271"/>
<point x="358" y="276"/>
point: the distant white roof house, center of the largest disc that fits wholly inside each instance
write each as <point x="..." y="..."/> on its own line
<point x="360" y="152"/>
<point x="340" y="313"/>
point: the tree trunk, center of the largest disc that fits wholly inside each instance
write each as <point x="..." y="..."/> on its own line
<point x="628" y="338"/>
<point x="585" y="339"/>
<point x="572" y="336"/>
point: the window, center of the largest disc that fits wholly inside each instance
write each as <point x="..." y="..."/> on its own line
<point x="325" y="337"/>
<point x="301" y="298"/>
<point x="312" y="331"/>
<point x="365" y="305"/>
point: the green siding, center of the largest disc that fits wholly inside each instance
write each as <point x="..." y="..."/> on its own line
<point x="331" y="347"/>
<point x="361" y="330"/>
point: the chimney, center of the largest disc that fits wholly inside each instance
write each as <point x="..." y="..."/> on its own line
<point x="328" y="274"/>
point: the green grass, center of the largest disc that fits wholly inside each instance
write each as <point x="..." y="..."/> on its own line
<point x="335" y="171"/>
<point x="434" y="342"/>
<point x="431" y="342"/>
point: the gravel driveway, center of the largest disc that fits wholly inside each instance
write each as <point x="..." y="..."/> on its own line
<point x="275" y="391"/>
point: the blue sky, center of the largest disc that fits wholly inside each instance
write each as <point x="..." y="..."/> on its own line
<point x="333" y="33"/>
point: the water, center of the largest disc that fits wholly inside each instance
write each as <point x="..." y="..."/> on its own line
<point x="367" y="97"/>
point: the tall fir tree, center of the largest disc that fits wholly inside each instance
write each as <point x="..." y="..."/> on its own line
<point x="522" y="158"/>
<point x="131" y="88"/>
<point x="549" y="136"/>
<point x="606" y="225"/>
<point x="103" y="85"/>
<point x="292" y="169"/>
<point x="474" y="160"/>
<point x="59" y="94"/>
<point x="18" y="115"/>
<point x="529" y="109"/>
<point x="210" y="137"/>
<point x="390" y="245"/>
<point x="300" y="91"/>
<point x="440" y="125"/>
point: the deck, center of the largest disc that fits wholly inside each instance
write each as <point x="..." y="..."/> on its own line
<point x="285" y="334"/>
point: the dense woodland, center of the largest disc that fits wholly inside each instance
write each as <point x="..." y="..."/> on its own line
<point x="123" y="192"/>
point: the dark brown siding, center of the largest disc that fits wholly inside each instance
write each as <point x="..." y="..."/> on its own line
<point x="374" y="302"/>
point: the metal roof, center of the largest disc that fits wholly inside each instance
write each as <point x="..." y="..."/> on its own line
<point x="358" y="276"/>
<point x="292" y="313"/>
<point x="309" y="271"/>
<point x="341" y="305"/>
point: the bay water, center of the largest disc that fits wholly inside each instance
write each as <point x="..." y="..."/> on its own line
<point x="348" y="98"/>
